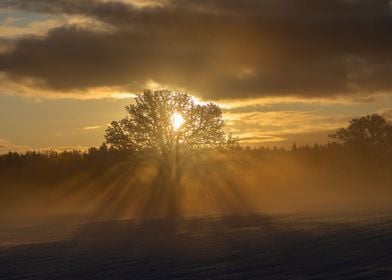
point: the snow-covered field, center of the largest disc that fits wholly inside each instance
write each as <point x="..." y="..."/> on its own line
<point x="300" y="246"/>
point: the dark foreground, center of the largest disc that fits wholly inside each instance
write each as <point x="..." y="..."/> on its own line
<point x="350" y="246"/>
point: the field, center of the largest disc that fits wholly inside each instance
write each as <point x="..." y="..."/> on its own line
<point x="283" y="246"/>
<point x="240" y="215"/>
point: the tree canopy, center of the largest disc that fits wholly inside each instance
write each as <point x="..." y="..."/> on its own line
<point x="165" y="121"/>
<point x="368" y="134"/>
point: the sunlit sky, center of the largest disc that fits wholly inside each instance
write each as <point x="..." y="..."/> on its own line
<point x="282" y="70"/>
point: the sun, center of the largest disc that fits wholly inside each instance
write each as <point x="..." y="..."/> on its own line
<point x="177" y="121"/>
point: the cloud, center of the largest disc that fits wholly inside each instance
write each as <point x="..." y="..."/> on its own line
<point x="9" y="30"/>
<point x="17" y="24"/>
<point x="262" y="126"/>
<point x="92" y="127"/>
<point x="386" y="113"/>
<point x="216" y="49"/>
<point x="263" y="139"/>
<point x="6" y="146"/>
<point x="33" y="88"/>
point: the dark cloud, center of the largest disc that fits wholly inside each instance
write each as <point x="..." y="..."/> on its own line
<point x="219" y="49"/>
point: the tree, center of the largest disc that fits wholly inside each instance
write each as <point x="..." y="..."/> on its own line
<point x="166" y="121"/>
<point x="371" y="134"/>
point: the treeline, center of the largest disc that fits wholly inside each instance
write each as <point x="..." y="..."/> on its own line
<point x="49" y="167"/>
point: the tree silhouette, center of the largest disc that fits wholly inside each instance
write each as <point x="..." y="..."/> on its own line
<point x="165" y="121"/>
<point x="371" y="134"/>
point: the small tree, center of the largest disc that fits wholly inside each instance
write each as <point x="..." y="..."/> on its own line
<point x="371" y="134"/>
<point x="166" y="121"/>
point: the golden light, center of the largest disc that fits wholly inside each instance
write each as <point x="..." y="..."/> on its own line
<point x="177" y="121"/>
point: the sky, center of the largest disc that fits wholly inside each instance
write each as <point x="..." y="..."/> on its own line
<point x="282" y="70"/>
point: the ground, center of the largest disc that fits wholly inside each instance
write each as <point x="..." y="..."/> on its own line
<point x="285" y="246"/>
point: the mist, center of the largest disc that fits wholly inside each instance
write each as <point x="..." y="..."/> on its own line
<point x="105" y="185"/>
